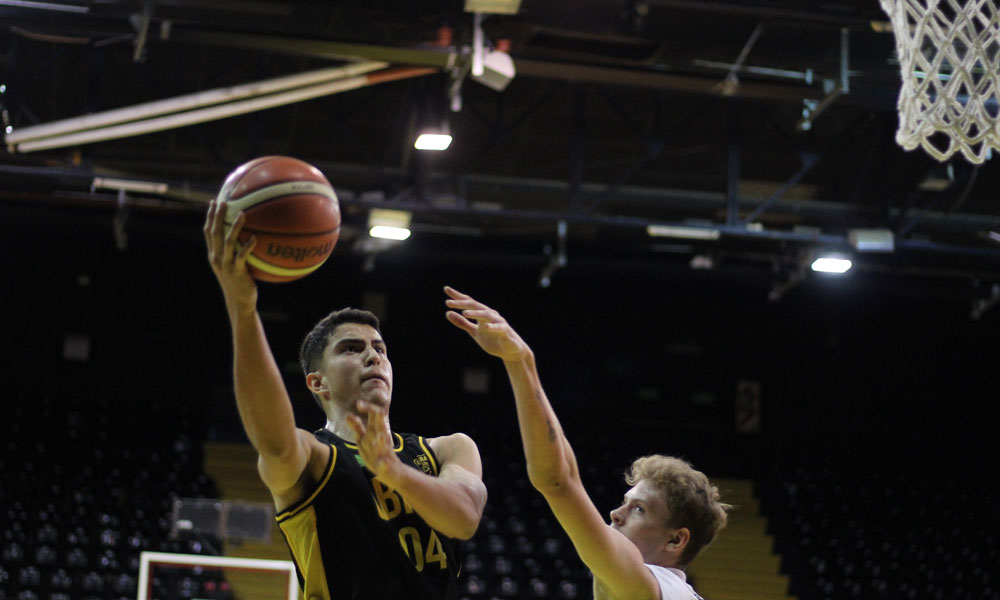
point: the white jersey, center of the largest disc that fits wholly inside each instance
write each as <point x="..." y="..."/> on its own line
<point x="673" y="584"/>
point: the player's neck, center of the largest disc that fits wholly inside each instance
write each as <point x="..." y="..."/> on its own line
<point x="340" y="429"/>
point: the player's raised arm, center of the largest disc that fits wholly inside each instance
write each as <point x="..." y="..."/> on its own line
<point x="614" y="560"/>
<point x="261" y="397"/>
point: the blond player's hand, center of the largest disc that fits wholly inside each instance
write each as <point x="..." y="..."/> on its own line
<point x="485" y="325"/>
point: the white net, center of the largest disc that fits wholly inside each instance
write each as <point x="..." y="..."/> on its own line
<point x="949" y="54"/>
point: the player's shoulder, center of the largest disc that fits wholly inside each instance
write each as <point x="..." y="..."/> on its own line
<point x="673" y="584"/>
<point x="455" y="446"/>
<point x="452" y="438"/>
<point x="453" y="441"/>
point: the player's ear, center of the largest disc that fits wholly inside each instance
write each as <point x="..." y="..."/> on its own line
<point x="679" y="539"/>
<point x="315" y="383"/>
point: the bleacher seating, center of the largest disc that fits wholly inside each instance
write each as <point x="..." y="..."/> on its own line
<point x="865" y="524"/>
<point x="87" y="484"/>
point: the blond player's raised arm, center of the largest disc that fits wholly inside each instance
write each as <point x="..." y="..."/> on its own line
<point x="615" y="561"/>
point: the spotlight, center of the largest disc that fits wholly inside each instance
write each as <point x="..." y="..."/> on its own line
<point x="498" y="71"/>
<point x="432" y="140"/>
<point x="389" y="224"/>
<point x="434" y="132"/>
<point x="831" y="264"/>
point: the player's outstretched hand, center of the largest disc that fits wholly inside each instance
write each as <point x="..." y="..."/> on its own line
<point x="485" y="325"/>
<point x="374" y="439"/>
<point x="227" y="260"/>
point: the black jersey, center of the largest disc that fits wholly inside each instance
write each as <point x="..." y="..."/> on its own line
<point x="353" y="538"/>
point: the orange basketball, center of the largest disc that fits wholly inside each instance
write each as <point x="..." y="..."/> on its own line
<point x="292" y="210"/>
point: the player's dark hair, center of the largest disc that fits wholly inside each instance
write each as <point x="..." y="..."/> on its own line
<point x="316" y="340"/>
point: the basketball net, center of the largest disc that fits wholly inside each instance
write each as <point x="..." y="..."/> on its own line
<point x="949" y="54"/>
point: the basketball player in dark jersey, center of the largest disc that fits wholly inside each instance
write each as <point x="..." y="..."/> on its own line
<point x="367" y="513"/>
<point x="667" y="517"/>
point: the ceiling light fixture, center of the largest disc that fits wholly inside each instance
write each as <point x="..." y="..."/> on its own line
<point x="871" y="240"/>
<point x="433" y="140"/>
<point x="499" y="7"/>
<point x="498" y="70"/>
<point x="129" y="185"/>
<point x="683" y="232"/>
<point x="389" y="224"/>
<point x="433" y="131"/>
<point x="831" y="264"/>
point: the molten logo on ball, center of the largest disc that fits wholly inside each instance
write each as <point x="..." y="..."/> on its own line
<point x="299" y="254"/>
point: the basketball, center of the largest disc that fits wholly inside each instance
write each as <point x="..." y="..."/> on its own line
<point x="291" y="209"/>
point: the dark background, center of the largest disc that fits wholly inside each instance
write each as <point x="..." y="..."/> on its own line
<point x="843" y="363"/>
<point x="612" y="123"/>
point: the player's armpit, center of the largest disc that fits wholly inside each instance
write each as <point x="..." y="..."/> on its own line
<point x="287" y="475"/>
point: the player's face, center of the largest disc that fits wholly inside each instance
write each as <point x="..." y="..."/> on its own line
<point x="642" y="518"/>
<point x="356" y="366"/>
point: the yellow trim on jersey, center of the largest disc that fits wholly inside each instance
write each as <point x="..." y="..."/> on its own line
<point x="303" y="542"/>
<point x="430" y="455"/>
<point x="398" y="448"/>
<point x="295" y="508"/>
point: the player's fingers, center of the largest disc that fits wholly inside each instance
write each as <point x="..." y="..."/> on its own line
<point x="459" y="321"/>
<point x="246" y="249"/>
<point x="376" y="415"/>
<point x="482" y="315"/>
<point x="454" y="293"/>
<point x="354" y="422"/>
<point x="219" y="217"/>
<point x="209" y="218"/>
<point x="229" y="242"/>
<point x="465" y="306"/>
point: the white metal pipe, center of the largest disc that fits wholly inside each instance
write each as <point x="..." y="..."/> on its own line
<point x="477" y="44"/>
<point x="45" y="6"/>
<point x="215" y="112"/>
<point x="189" y="102"/>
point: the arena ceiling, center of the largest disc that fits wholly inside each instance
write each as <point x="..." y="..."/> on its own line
<point x="767" y="125"/>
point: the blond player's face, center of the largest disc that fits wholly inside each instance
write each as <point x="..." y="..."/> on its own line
<point x="642" y="518"/>
<point x="356" y="366"/>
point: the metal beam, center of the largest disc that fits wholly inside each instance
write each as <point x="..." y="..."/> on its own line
<point x="838" y="19"/>
<point x="631" y="74"/>
<point x="441" y="58"/>
<point x="655" y="79"/>
<point x="820" y="211"/>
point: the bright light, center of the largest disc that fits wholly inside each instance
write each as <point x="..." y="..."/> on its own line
<point x="828" y="264"/>
<point x="680" y="231"/>
<point x="389" y="233"/>
<point x="432" y="141"/>
<point x="129" y="185"/>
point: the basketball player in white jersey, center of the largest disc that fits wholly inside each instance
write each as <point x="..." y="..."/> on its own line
<point x="667" y="517"/>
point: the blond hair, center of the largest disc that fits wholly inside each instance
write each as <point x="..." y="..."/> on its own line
<point x="693" y="501"/>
